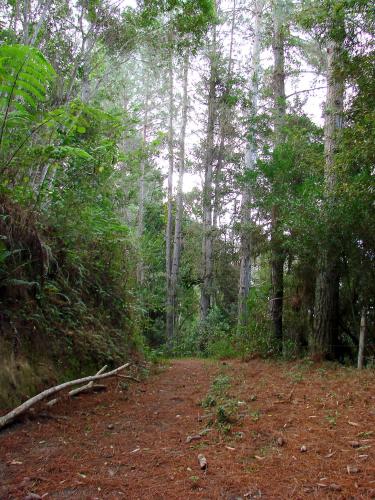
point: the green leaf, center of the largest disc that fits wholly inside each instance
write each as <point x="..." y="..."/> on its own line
<point x="69" y="151"/>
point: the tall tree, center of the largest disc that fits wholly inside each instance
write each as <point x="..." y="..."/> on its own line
<point x="224" y="117"/>
<point x="177" y="240"/>
<point x="169" y="227"/>
<point x="277" y="252"/>
<point x="207" y="205"/>
<point x="250" y="161"/>
<point x="327" y="284"/>
<point x="141" y="196"/>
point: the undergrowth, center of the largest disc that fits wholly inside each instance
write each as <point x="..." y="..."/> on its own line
<point x="220" y="407"/>
<point x="65" y="303"/>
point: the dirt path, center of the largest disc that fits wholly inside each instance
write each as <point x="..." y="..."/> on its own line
<point x="132" y="443"/>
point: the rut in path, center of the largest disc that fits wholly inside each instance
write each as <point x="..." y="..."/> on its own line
<point x="132" y="444"/>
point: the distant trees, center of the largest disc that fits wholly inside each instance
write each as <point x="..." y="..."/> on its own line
<point x="111" y="112"/>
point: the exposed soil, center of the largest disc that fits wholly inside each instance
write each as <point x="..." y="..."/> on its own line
<point x="299" y="431"/>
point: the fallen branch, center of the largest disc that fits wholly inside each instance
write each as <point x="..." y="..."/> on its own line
<point x="90" y="389"/>
<point x="84" y="389"/>
<point x="9" y="417"/>
<point x="88" y="386"/>
<point x="51" y="403"/>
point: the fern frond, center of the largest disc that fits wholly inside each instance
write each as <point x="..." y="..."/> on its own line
<point x="24" y="77"/>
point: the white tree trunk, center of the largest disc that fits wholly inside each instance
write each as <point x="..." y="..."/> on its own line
<point x="362" y="340"/>
<point x="26" y="21"/>
<point x="250" y="162"/>
<point x="175" y="270"/>
<point x="168" y="235"/>
<point x="225" y="119"/>
<point x="42" y="17"/>
<point x="141" y="196"/>
<point x="207" y="263"/>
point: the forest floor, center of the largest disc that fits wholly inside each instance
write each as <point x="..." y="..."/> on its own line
<point x="297" y="431"/>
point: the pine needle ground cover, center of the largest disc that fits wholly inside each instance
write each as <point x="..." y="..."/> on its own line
<point x="300" y="430"/>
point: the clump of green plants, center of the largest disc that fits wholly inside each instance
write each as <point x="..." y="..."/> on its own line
<point x="154" y="356"/>
<point x="332" y="418"/>
<point x="209" y="401"/>
<point x="255" y="415"/>
<point x="225" y="407"/>
<point x="221" y="385"/>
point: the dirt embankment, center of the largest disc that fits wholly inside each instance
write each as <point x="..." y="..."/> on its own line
<point x="295" y="431"/>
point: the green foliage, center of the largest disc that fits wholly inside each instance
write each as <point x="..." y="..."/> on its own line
<point x="24" y="79"/>
<point x="189" y="18"/>
<point x="218" y="398"/>
<point x="68" y="258"/>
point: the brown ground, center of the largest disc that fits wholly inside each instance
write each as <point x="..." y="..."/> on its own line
<point x="145" y="454"/>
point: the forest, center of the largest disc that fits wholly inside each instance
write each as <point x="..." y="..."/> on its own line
<point x="184" y="178"/>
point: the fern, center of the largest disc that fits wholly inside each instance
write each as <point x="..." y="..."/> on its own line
<point x="24" y="77"/>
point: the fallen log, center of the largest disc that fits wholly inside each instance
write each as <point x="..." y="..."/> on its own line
<point x="84" y="389"/>
<point x="9" y="417"/>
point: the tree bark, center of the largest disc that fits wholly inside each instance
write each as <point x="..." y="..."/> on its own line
<point x="277" y="253"/>
<point x="325" y="331"/>
<point x="250" y="161"/>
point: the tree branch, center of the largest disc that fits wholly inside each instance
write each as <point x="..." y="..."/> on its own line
<point x="9" y="417"/>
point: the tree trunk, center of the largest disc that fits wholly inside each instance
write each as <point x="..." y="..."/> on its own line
<point x="225" y="118"/>
<point x="141" y="196"/>
<point x="277" y="253"/>
<point x="250" y="161"/>
<point x="324" y="336"/>
<point x="26" y="21"/>
<point x="175" y="270"/>
<point x="207" y="264"/>
<point x="168" y="235"/>
<point x="362" y="340"/>
<point x="42" y="17"/>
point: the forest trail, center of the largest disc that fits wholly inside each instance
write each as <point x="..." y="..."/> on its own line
<point x="297" y="431"/>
